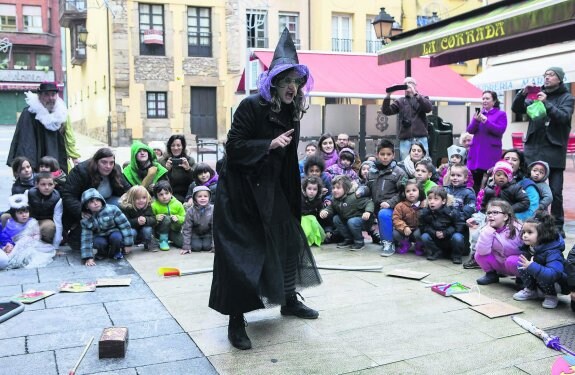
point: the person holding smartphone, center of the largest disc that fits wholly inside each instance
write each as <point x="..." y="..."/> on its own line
<point x="180" y="166"/>
<point x="261" y="251"/>
<point x="547" y="137"/>
<point x="487" y="126"/>
<point x="412" y="110"/>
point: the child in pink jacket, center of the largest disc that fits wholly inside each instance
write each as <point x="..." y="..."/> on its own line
<point x="497" y="249"/>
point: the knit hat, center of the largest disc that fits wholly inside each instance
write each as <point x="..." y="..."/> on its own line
<point x="200" y="188"/>
<point x="457" y="150"/>
<point x="505" y="167"/>
<point x="349" y="152"/>
<point x="157" y="145"/>
<point x="559" y="71"/>
<point x="18" y="201"/>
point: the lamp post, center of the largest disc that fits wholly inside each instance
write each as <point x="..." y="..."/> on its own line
<point x="83" y="38"/>
<point x="382" y="25"/>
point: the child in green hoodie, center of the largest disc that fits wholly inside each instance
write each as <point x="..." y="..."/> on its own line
<point x="144" y="168"/>
<point x="170" y="214"/>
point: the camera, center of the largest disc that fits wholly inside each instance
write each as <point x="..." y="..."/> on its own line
<point x="176" y="161"/>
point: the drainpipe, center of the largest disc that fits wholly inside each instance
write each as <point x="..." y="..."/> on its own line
<point x="309" y="24"/>
<point x="109" y="122"/>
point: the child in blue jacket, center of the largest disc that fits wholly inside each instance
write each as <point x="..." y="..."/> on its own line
<point x="541" y="264"/>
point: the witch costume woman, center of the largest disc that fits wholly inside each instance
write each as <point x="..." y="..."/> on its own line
<point x="261" y="253"/>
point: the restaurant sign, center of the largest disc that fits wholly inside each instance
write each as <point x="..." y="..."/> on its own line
<point x="462" y="39"/>
<point x="17" y="75"/>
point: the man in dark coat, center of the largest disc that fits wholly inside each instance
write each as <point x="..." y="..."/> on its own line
<point x="261" y="252"/>
<point x="412" y="110"/>
<point x="547" y="137"/>
<point x="40" y="128"/>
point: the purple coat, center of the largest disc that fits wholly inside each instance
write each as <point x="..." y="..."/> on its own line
<point x="486" y="147"/>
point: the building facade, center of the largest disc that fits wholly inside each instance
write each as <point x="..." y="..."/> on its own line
<point x="30" y="52"/>
<point x="146" y="70"/>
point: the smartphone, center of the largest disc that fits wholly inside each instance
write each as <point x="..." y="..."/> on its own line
<point x="477" y="110"/>
<point x="532" y="92"/>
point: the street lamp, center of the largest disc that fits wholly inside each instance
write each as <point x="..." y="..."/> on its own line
<point x="83" y="37"/>
<point x="382" y="25"/>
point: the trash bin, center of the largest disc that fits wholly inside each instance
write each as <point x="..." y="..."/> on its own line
<point x="440" y="138"/>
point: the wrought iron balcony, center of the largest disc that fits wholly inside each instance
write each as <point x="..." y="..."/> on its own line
<point x="72" y="11"/>
<point x="341" y="45"/>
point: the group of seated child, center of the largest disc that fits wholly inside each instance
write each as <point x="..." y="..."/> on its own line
<point x="401" y="205"/>
<point x="31" y="231"/>
<point x="432" y="211"/>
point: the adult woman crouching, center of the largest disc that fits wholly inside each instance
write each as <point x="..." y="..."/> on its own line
<point x="180" y="166"/>
<point x="100" y="172"/>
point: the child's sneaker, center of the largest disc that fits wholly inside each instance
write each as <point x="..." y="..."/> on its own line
<point x="550" y="302"/>
<point x="163" y="242"/>
<point x="525" y="294"/>
<point x="357" y="246"/>
<point x="119" y="255"/>
<point x="387" y="249"/>
<point x="344" y="244"/>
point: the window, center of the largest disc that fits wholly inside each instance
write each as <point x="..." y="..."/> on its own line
<point x="21" y="61"/>
<point x="32" y="18"/>
<point x="78" y="51"/>
<point x="152" y="30"/>
<point x="341" y="33"/>
<point x="199" y="32"/>
<point x="157" y="104"/>
<point x="256" y="23"/>
<point x="7" y="17"/>
<point x="291" y="21"/>
<point x="43" y="61"/>
<point x="372" y="44"/>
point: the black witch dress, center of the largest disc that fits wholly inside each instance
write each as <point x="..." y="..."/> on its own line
<point x="261" y="251"/>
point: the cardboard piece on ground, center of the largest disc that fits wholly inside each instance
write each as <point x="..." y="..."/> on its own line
<point x="32" y="296"/>
<point x="408" y="274"/>
<point x="125" y="281"/>
<point x="77" y="287"/>
<point x="474" y="299"/>
<point x="496" y="309"/>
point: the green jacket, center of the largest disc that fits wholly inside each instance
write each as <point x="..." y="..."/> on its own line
<point x="131" y="171"/>
<point x="174" y="207"/>
<point x="350" y="206"/>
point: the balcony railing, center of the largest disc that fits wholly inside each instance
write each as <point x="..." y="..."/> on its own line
<point x="372" y="46"/>
<point x="71" y="11"/>
<point x="341" y="45"/>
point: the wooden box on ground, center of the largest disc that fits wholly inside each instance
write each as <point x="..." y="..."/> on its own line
<point x="113" y="342"/>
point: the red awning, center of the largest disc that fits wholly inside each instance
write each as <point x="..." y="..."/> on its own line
<point x="358" y="76"/>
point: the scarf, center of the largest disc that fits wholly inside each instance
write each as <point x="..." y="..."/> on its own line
<point x="51" y="120"/>
<point x="212" y="180"/>
<point x="143" y="169"/>
<point x="409" y="166"/>
<point x="331" y="158"/>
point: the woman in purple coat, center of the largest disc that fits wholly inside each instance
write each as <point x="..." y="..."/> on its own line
<point x="487" y="127"/>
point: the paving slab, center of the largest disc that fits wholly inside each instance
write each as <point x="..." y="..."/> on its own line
<point x="13" y="346"/>
<point x="190" y="366"/>
<point x="18" y="276"/>
<point x="55" y="320"/>
<point x="78" y="338"/>
<point x="128" y="371"/>
<point x="140" y="310"/>
<point x="28" y="364"/>
<point x="141" y="352"/>
<point x="9" y="291"/>
<point x="330" y="356"/>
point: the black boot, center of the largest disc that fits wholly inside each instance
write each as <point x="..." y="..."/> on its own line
<point x="490" y="277"/>
<point x="297" y="308"/>
<point x="237" y="332"/>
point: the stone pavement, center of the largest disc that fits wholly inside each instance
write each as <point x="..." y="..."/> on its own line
<point x="369" y="323"/>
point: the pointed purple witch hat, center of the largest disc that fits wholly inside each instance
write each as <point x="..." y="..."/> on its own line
<point x="285" y="57"/>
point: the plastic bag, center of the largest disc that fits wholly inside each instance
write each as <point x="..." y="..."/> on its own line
<point x="536" y="110"/>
